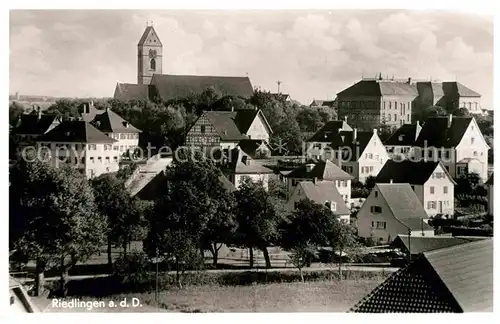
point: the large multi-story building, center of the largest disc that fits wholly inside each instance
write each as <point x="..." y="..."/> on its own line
<point x="81" y="145"/>
<point x="370" y="103"/>
<point x="374" y="102"/>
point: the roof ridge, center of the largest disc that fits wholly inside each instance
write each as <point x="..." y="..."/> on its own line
<point x="451" y="248"/>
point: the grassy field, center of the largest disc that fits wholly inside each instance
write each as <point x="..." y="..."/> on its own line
<point x="319" y="296"/>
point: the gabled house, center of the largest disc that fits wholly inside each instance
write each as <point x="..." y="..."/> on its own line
<point x="457" y="279"/>
<point x="225" y="129"/>
<point x="432" y="184"/>
<point x="323" y="193"/>
<point x="360" y="154"/>
<point x="31" y="126"/>
<point x="491" y="198"/>
<point x="321" y="170"/>
<point x="240" y="165"/>
<point x="317" y="144"/>
<point x="455" y="141"/>
<point x="116" y="127"/>
<point x="80" y="145"/>
<point x="400" y="145"/>
<point x="392" y="209"/>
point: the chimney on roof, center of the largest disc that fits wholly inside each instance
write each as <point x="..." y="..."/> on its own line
<point x="390" y="181"/>
<point x="345" y="119"/>
<point x="450" y="119"/>
<point x="354" y="135"/>
<point x="375" y="131"/>
<point x="409" y="80"/>
<point x="17" y="95"/>
<point x="315" y="179"/>
<point x="39" y="112"/>
<point x="232" y="108"/>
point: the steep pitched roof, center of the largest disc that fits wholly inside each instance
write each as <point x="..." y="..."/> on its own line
<point x="170" y="87"/>
<point x="322" y="191"/>
<point x="346" y="140"/>
<point x="377" y="88"/>
<point x="330" y="130"/>
<point x="111" y="122"/>
<point x="31" y="124"/>
<point x="420" y="244"/>
<point x="404" y="204"/>
<point x="407" y="171"/>
<point x="323" y="170"/>
<point x="149" y="30"/>
<point x="436" y="132"/>
<point x="460" y="89"/>
<point x="233" y="125"/>
<point x="77" y="131"/>
<point x="242" y="163"/>
<point x="129" y="91"/>
<point x="225" y="125"/>
<point x="467" y="272"/>
<point x="454" y="279"/>
<point x="405" y="135"/>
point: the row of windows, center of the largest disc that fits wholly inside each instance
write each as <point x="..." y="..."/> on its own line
<point x="379" y="225"/>
<point x="434" y="204"/>
<point x="432" y="190"/>
<point x="366" y="169"/>
<point x="402" y="119"/>
<point x="342" y="183"/>
<point x="124" y="136"/>
<point x="470" y="105"/>
<point x="107" y="159"/>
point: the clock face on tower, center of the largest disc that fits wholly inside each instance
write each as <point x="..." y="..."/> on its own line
<point x="152" y="53"/>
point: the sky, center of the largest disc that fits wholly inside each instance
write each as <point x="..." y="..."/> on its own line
<point x="315" y="54"/>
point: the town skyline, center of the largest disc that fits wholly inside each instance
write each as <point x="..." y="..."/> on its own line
<point x="315" y="54"/>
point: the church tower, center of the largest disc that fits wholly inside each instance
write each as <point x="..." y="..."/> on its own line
<point x="149" y="56"/>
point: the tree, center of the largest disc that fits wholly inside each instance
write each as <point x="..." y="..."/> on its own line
<point x="433" y="111"/>
<point x="300" y="257"/>
<point x="54" y="218"/>
<point x="345" y="243"/>
<point x="196" y="203"/>
<point x="461" y="112"/>
<point x="258" y="217"/>
<point x="370" y="182"/>
<point x="65" y="108"/>
<point x="123" y="212"/>
<point x="309" y="119"/>
<point x="467" y="183"/>
<point x="277" y="188"/>
<point x="287" y="137"/>
<point x="310" y="226"/>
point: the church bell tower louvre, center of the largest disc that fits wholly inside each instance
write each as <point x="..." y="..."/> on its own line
<point x="149" y="56"/>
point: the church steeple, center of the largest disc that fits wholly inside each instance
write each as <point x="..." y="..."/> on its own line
<point x="149" y="56"/>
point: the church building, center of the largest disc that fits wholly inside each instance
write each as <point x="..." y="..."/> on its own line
<point x="153" y="84"/>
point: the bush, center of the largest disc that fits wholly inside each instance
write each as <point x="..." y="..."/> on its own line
<point x="133" y="268"/>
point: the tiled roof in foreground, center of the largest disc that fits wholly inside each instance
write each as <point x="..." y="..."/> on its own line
<point x="455" y="279"/>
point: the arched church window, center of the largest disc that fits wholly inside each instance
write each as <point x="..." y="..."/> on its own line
<point x="153" y="64"/>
